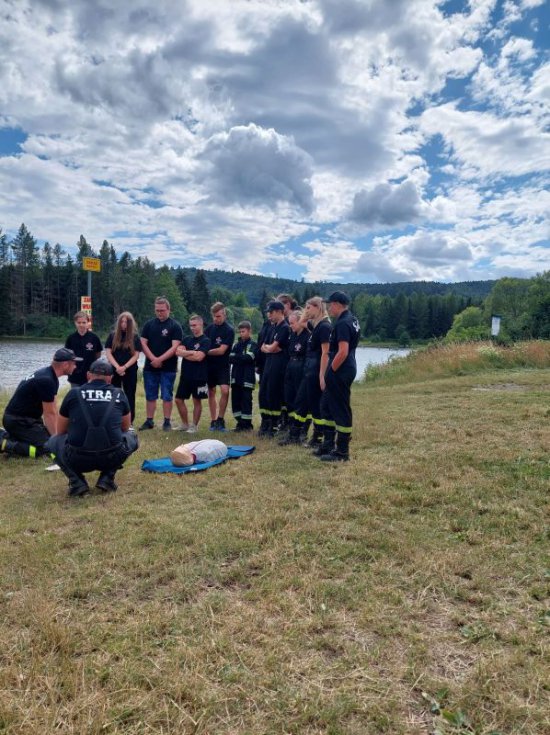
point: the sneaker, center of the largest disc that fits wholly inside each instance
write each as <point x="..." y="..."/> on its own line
<point x="147" y="424"/>
<point x="167" y="425"/>
<point x="221" y="424"/>
<point x="106" y="484"/>
<point x="192" y="429"/>
<point x="53" y="468"/>
<point x="181" y="427"/>
<point x="213" y="425"/>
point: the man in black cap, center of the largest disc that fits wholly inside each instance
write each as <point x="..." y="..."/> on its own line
<point x="339" y="376"/>
<point x="31" y="414"/>
<point x="271" y="395"/>
<point x="93" y="431"/>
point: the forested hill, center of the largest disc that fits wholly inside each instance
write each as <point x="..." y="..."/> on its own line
<point x="256" y="287"/>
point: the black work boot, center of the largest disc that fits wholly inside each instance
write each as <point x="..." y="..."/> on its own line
<point x="341" y="452"/>
<point x="327" y="445"/>
<point x="292" y="436"/>
<point x="316" y="438"/>
<point x="77" y="483"/>
<point x="106" y="482"/>
<point x="266" y="426"/>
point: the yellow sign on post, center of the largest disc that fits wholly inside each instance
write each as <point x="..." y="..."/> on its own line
<point x="91" y="264"/>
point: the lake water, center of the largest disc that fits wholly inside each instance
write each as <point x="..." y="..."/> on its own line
<point x="19" y="358"/>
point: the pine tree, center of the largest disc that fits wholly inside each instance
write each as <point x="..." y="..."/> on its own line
<point x="200" y="296"/>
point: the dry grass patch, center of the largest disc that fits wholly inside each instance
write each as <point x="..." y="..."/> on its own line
<point x="405" y="592"/>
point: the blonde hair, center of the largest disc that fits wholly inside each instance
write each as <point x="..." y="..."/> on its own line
<point x="320" y="304"/>
<point x="125" y="340"/>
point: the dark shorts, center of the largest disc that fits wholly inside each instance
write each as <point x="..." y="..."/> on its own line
<point x="218" y="375"/>
<point x="196" y="388"/>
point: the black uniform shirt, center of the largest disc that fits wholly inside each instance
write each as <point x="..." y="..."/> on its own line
<point x="220" y="334"/>
<point x="346" y="329"/>
<point x="279" y="333"/>
<point x="190" y="369"/>
<point x="121" y="354"/>
<point x="87" y="346"/>
<point x="37" y="388"/>
<point x="243" y="359"/>
<point x="159" y="336"/>
<point x="297" y="344"/>
<point x="320" y="334"/>
<point x="97" y="394"/>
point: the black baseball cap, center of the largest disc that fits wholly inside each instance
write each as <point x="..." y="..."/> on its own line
<point x="63" y="354"/>
<point x="338" y="297"/>
<point x="275" y="306"/>
<point x="101" y="367"/>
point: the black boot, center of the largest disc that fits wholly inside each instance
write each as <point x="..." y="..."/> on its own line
<point x="316" y="438"/>
<point x="327" y="444"/>
<point x="341" y="452"/>
<point x="293" y="434"/>
<point x="106" y="481"/>
<point x="266" y="427"/>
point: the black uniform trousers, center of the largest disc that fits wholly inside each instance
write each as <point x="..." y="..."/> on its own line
<point x="75" y="461"/>
<point x="293" y="378"/>
<point x="336" y="398"/>
<point x="241" y="402"/>
<point x="308" y="398"/>
<point x="271" y="395"/>
<point x="29" y="432"/>
<point x="128" y="383"/>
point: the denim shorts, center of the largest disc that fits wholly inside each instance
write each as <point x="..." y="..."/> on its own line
<point x="152" y="381"/>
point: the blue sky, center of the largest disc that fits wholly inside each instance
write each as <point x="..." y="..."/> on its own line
<point x="342" y="140"/>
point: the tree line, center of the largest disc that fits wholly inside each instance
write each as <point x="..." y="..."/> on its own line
<point x="41" y="288"/>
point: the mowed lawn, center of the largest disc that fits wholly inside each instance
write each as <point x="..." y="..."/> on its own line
<point x="405" y="592"/>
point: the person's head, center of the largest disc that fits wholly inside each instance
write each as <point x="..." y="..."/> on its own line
<point x="337" y="303"/>
<point x="64" y="361"/>
<point x="101" y="369"/>
<point x="316" y="309"/>
<point x="182" y="456"/>
<point x="81" y="322"/>
<point x="295" y="321"/>
<point x="125" y="330"/>
<point x="196" y="325"/>
<point x="219" y="314"/>
<point x="288" y="302"/>
<point x="162" y="308"/>
<point x="245" y="329"/>
<point x="275" y="312"/>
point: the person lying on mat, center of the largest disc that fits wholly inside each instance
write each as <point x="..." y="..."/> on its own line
<point x="205" y="450"/>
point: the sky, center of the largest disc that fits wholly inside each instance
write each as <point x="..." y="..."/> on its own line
<point x="334" y="140"/>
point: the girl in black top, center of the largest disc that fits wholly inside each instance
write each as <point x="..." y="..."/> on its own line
<point x="122" y="348"/>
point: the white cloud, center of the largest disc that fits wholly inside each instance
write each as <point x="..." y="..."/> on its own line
<point x="214" y="133"/>
<point x="249" y="165"/>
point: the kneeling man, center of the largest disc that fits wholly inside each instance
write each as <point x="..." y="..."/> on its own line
<point x="93" y="431"/>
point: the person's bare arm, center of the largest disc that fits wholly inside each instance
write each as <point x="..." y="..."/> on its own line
<point x="49" y="415"/>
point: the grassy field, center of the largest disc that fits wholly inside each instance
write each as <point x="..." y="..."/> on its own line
<point x="406" y="592"/>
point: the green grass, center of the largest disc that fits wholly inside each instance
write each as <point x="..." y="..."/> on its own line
<point x="406" y="592"/>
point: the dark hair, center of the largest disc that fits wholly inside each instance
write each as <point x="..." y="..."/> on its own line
<point x="244" y="325"/>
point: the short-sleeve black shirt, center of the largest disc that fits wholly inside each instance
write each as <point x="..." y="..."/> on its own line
<point x="87" y="346"/>
<point x="220" y="334"/>
<point x="345" y="329"/>
<point x="159" y="336"/>
<point x="97" y="394"/>
<point x="121" y="354"/>
<point x="34" y="390"/>
<point x="191" y="370"/>
<point x="320" y="334"/>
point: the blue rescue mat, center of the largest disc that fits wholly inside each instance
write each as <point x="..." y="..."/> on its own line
<point x="165" y="464"/>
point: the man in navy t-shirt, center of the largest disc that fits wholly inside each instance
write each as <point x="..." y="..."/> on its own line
<point x="221" y="335"/>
